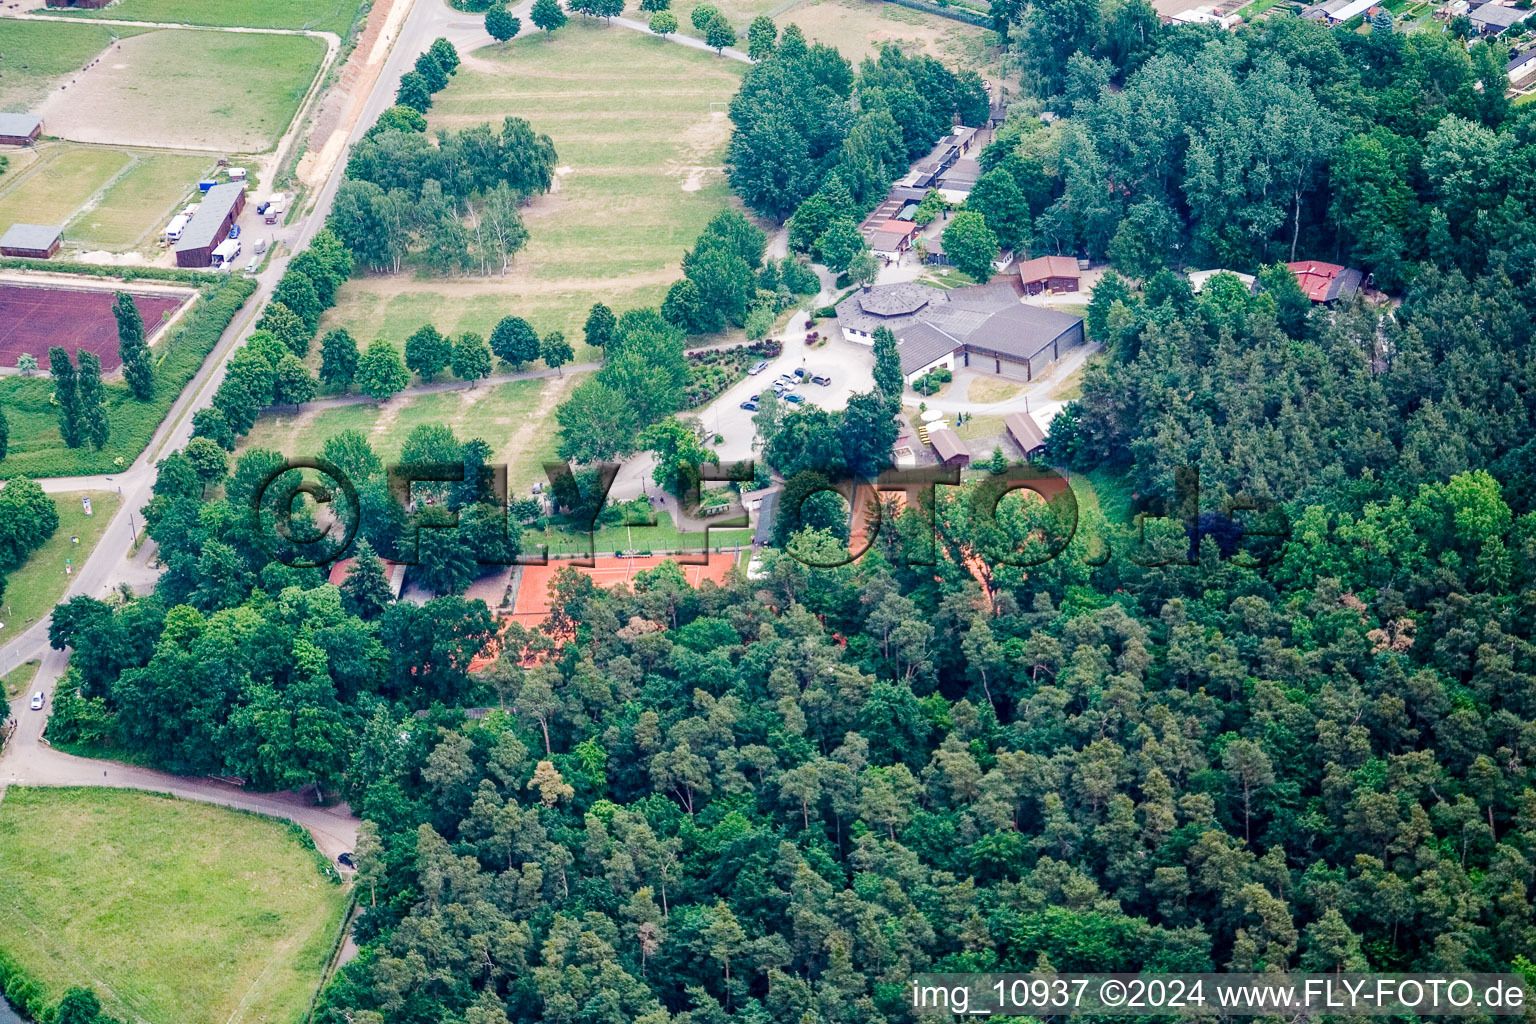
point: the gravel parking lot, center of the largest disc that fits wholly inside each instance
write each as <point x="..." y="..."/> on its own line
<point x="850" y="366"/>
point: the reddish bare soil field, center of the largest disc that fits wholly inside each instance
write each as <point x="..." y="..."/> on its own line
<point x="35" y="319"/>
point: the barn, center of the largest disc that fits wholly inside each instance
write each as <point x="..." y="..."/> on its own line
<point x="1048" y="274"/>
<point x="34" y="241"/>
<point x="210" y="224"/>
<point x="1026" y="433"/>
<point x="20" y="129"/>
<point x="1019" y="340"/>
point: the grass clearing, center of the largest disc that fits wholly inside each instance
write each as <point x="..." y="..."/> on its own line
<point x="317" y="15"/>
<point x="980" y="426"/>
<point x="640" y="154"/>
<point x="989" y="389"/>
<point x="19" y="680"/>
<point x="189" y="89"/>
<point x="663" y="536"/>
<point x="34" y="587"/>
<point x="513" y="418"/>
<point x="858" y="28"/>
<point x="176" y="912"/>
<point x="62" y="179"/>
<point x="139" y="202"/>
<point x="34" y="55"/>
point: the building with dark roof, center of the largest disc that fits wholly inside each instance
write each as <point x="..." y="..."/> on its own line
<point x="1521" y="65"/>
<point x="985" y="327"/>
<point x="34" y="241"/>
<point x="1492" y="19"/>
<point x="1018" y="340"/>
<point x="950" y="449"/>
<point x="1026" y="433"/>
<point x="210" y="224"/>
<point x="1325" y="282"/>
<point x="20" y="129"/>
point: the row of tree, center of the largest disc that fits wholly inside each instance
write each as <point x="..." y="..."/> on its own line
<point x="430" y="75"/>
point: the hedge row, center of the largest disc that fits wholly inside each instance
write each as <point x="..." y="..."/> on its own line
<point x="121" y="273"/>
<point x="36" y="449"/>
<point x="25" y="993"/>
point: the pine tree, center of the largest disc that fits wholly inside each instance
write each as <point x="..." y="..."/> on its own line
<point x="66" y="392"/>
<point x="93" y="418"/>
<point x="366" y="591"/>
<point x="131" y="349"/>
<point x="888" y="375"/>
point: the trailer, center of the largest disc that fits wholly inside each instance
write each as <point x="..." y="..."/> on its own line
<point x="226" y="252"/>
<point x="206" y="184"/>
<point x="276" y="209"/>
<point x="174" y="229"/>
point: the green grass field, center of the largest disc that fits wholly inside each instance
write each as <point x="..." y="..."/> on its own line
<point x="640" y="152"/>
<point x="19" y="679"/>
<point x="515" y="419"/>
<point x="107" y="198"/>
<point x="35" y="54"/>
<point x="32" y="589"/>
<point x="136" y="206"/>
<point x="54" y="187"/>
<point x="175" y="912"/>
<point x="318" y="15"/>
<point x="188" y="89"/>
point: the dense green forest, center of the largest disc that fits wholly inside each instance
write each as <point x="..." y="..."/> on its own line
<point x="778" y="799"/>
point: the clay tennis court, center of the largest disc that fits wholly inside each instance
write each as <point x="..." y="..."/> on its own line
<point x="532" y="603"/>
<point x="36" y="319"/>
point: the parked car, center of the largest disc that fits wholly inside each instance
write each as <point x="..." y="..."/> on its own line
<point x="254" y="265"/>
<point x="750" y="405"/>
<point x="800" y="373"/>
<point x="346" y="860"/>
<point x="822" y="379"/>
<point x="758" y="367"/>
<point x="37" y="701"/>
<point x="262" y="207"/>
<point x="794" y="399"/>
<point x="234" y="231"/>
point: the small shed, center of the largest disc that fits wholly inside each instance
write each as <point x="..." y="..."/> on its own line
<point x="951" y="450"/>
<point x="20" y="129"/>
<point x="34" y="241"/>
<point x="1026" y="433"/>
<point x="1049" y="274"/>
